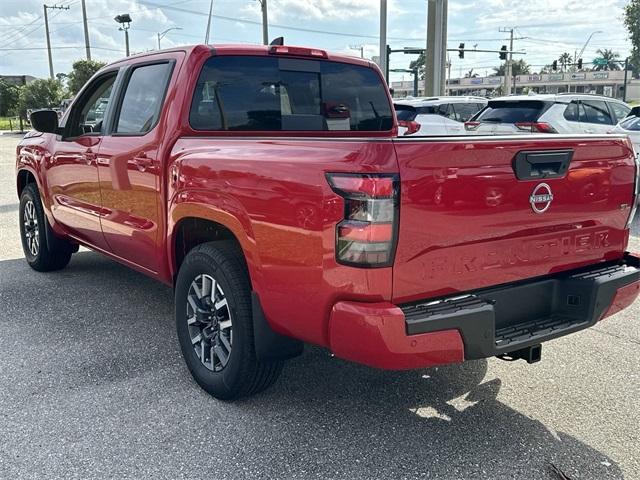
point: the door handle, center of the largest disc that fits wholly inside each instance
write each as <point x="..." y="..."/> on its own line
<point x="142" y="161"/>
<point x="89" y="156"/>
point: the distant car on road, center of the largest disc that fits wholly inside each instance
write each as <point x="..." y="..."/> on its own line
<point x="630" y="126"/>
<point x="436" y="115"/>
<point x="562" y="113"/>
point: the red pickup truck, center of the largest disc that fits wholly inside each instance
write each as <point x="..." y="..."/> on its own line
<point x="268" y="186"/>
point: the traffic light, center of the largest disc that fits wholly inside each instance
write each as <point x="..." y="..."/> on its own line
<point x="554" y="65"/>
<point x="503" y="52"/>
<point x="579" y="64"/>
<point x="461" y="50"/>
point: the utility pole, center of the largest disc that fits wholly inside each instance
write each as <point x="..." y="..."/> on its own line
<point x="435" y="58"/>
<point x="265" y="22"/>
<point x="509" y="64"/>
<point x="206" y="36"/>
<point x="358" y="47"/>
<point x="46" y="29"/>
<point x="384" y="66"/>
<point x="624" y="88"/>
<point x="86" y="30"/>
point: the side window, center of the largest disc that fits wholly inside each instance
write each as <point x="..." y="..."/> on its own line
<point x="88" y="115"/>
<point x="571" y="112"/>
<point x="596" y="111"/>
<point x="619" y="111"/>
<point x="464" y="111"/>
<point x="143" y="98"/>
<point x="427" y="110"/>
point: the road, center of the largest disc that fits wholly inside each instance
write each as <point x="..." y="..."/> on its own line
<point x="92" y="385"/>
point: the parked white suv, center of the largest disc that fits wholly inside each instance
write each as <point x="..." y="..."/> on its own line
<point x="562" y="113"/>
<point x="436" y="115"/>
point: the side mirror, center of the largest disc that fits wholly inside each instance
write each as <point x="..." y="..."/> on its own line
<point x="45" y="121"/>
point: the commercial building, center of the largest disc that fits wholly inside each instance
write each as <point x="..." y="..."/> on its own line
<point x="608" y="83"/>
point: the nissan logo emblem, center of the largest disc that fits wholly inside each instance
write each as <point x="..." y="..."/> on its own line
<point x="541" y="198"/>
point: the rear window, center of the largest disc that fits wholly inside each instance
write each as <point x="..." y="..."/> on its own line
<point x="405" y="113"/>
<point x="632" y="124"/>
<point x="504" y="111"/>
<point x="271" y="94"/>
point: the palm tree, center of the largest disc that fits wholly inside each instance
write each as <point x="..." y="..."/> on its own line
<point x="610" y="59"/>
<point x="470" y="74"/>
<point x="564" y="60"/>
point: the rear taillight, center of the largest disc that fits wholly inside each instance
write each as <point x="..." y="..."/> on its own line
<point x="411" y="125"/>
<point x="535" y="127"/>
<point x="471" y="126"/>
<point x="367" y="235"/>
<point x="636" y="197"/>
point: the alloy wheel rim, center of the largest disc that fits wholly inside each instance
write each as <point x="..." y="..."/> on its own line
<point x="31" y="228"/>
<point x="209" y="322"/>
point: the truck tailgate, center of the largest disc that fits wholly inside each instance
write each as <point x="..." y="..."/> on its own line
<point x="477" y="212"/>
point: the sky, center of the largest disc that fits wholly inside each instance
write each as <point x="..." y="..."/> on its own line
<point x="544" y="29"/>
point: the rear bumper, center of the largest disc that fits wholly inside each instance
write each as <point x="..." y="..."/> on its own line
<point x="484" y="323"/>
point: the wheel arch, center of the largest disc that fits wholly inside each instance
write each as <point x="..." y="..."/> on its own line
<point x="193" y="224"/>
<point x="25" y="176"/>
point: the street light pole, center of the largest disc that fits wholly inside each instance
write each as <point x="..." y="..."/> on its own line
<point x="161" y="35"/>
<point x="125" y="23"/>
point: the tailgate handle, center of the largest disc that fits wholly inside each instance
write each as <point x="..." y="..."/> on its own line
<point x="542" y="164"/>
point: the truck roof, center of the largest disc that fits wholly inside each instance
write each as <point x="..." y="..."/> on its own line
<point x="249" y="49"/>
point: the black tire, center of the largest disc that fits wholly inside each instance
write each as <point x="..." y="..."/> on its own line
<point x="243" y="374"/>
<point x="43" y="255"/>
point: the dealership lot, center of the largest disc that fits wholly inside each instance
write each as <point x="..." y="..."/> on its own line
<point x="92" y="384"/>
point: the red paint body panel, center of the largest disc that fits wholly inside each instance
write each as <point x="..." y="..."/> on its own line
<point x="465" y="222"/>
<point x="285" y="215"/>
<point x="375" y="335"/>
<point x="624" y="298"/>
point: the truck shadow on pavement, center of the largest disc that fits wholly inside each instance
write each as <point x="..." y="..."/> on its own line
<point x="92" y="350"/>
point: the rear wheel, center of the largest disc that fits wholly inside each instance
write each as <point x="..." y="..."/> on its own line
<point x="41" y="255"/>
<point x="215" y="325"/>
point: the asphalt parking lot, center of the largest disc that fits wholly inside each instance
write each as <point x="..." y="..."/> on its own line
<point x="92" y="384"/>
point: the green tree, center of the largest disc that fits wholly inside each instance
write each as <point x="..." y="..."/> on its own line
<point x="41" y="94"/>
<point x="519" y="67"/>
<point x="419" y="64"/>
<point x="610" y="60"/>
<point x="9" y="96"/>
<point x="632" y="22"/>
<point x="470" y="74"/>
<point x="565" y="60"/>
<point x="82" y="71"/>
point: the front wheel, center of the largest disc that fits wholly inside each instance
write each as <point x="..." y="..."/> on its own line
<point x="41" y="255"/>
<point x="215" y="325"/>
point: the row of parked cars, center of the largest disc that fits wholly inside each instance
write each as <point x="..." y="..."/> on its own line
<point x="522" y="114"/>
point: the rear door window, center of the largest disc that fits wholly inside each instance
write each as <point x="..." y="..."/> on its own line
<point x="464" y="111"/>
<point x="274" y="93"/>
<point x="504" y="111"/>
<point x="596" y="111"/>
<point x="143" y="97"/>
